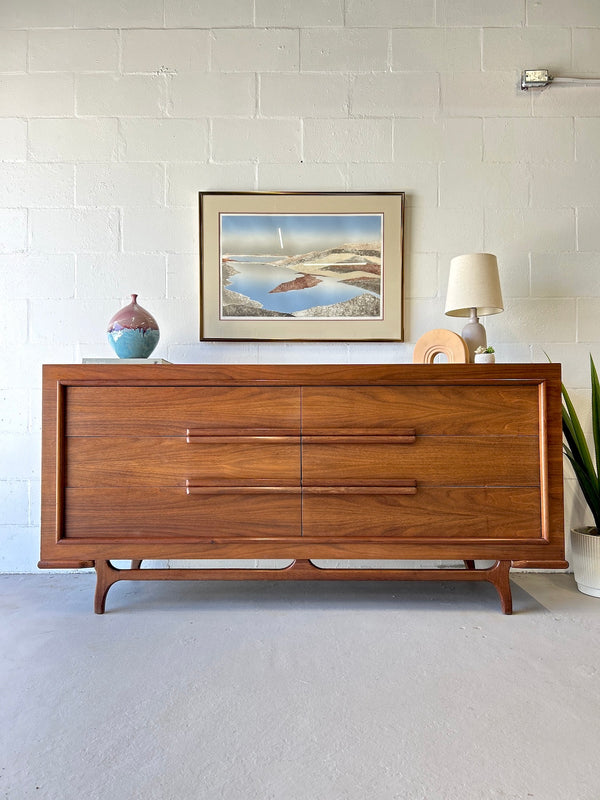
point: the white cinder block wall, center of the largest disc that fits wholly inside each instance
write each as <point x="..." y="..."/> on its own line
<point x="113" y="116"/>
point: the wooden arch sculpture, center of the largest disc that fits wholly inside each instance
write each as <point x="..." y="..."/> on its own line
<point x="441" y="342"/>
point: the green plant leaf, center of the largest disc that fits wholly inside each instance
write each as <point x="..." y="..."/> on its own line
<point x="575" y="436"/>
<point x="576" y="448"/>
<point x="587" y="486"/>
<point x="595" y="411"/>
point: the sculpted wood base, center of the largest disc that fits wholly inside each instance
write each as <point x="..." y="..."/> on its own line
<point x="303" y="570"/>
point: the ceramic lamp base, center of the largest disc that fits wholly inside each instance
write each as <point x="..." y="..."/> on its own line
<point x="474" y="334"/>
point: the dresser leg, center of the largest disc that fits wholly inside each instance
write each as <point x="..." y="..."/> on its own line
<point x="469" y="563"/>
<point x="106" y="575"/>
<point x="499" y="575"/>
<point x="136" y="563"/>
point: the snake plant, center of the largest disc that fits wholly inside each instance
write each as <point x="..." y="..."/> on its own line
<point x="585" y="463"/>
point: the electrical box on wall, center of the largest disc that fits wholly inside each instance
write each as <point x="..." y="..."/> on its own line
<point x="531" y="78"/>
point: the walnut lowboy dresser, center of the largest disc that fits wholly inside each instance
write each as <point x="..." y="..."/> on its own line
<point x="457" y="462"/>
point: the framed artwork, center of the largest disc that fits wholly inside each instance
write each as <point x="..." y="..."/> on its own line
<point x="306" y="266"/>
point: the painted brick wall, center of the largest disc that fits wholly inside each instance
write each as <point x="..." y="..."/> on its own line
<point x="114" y="115"/>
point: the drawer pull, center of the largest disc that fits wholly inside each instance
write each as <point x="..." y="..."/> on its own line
<point x="410" y="487"/>
<point x="404" y="437"/>
<point x="347" y="429"/>
<point x="190" y="488"/>
<point x="230" y="436"/>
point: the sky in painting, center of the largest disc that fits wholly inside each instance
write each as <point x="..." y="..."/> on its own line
<point x="294" y="234"/>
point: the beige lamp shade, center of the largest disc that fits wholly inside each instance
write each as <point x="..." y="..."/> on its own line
<point x="474" y="283"/>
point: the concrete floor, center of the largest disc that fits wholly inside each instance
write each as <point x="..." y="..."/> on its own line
<point x="298" y="691"/>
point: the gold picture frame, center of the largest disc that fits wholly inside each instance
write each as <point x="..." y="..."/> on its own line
<point x="301" y="266"/>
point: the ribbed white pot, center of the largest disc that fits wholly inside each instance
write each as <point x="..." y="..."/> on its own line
<point x="585" y="552"/>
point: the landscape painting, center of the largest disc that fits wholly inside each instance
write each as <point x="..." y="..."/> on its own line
<point x="305" y="266"/>
<point x="301" y="266"/>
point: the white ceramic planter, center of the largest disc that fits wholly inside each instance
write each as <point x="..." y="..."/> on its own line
<point x="585" y="552"/>
<point x="485" y="358"/>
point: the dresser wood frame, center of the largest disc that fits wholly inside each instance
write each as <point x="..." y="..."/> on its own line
<point x="367" y="462"/>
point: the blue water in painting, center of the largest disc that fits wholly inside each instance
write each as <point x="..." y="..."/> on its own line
<point x="255" y="280"/>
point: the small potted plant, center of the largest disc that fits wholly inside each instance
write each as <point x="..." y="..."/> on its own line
<point x="585" y="541"/>
<point x="485" y="355"/>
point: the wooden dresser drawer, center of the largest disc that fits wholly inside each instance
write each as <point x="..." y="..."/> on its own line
<point x="431" y="513"/>
<point x="171" y="410"/>
<point x="143" y="461"/>
<point x="430" y="460"/>
<point x="453" y="410"/>
<point x="136" y="514"/>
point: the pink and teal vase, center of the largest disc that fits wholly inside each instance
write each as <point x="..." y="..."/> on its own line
<point x="133" y="331"/>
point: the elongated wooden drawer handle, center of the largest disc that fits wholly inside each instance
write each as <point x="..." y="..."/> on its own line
<point x="204" y="438"/>
<point x="409" y="488"/>
<point x="223" y="434"/>
<point x="402" y="437"/>
<point x="191" y="488"/>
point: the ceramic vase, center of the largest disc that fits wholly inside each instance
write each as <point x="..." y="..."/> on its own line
<point x="133" y="331"/>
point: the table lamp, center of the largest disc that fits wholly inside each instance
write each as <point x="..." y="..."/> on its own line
<point x="474" y="291"/>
